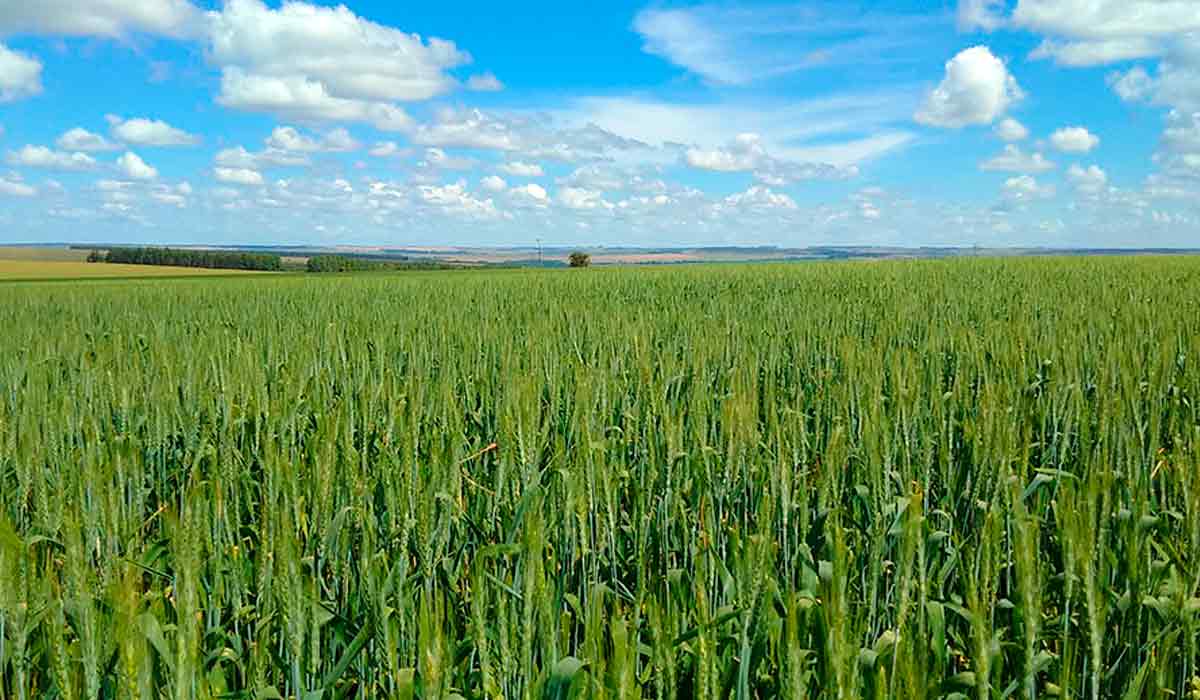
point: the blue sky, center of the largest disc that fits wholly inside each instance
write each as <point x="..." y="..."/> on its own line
<point x="977" y="122"/>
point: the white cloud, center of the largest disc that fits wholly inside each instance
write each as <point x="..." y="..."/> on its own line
<point x="103" y="18"/>
<point x="47" y="159"/>
<point x="484" y="82"/>
<point x="287" y="138"/>
<point x="531" y="191"/>
<point x="519" y="169"/>
<point x="20" y="75"/>
<point x="1014" y="160"/>
<point x="78" y="139"/>
<point x="1089" y="180"/>
<point x="107" y="185"/>
<point x="1010" y="130"/>
<point x="13" y="187"/>
<point x="467" y="129"/>
<point x="455" y="200"/>
<point x="239" y="157"/>
<point x="238" y="176"/>
<point x="1094" y="53"/>
<point x="828" y="130"/>
<point x="299" y="97"/>
<point x="310" y="62"/>
<point x="977" y="89"/>
<point x="980" y="14"/>
<point x="580" y="199"/>
<point x="1105" y="31"/>
<point x="493" y="183"/>
<point x="176" y="196"/>
<point x="746" y="153"/>
<point x="1132" y="86"/>
<point x="386" y="149"/>
<point x="1074" y="139"/>
<point x="1026" y="187"/>
<point x="1176" y="82"/>
<point x="738" y="44"/>
<point x="1178" y="153"/>
<point x="135" y="168"/>
<point x="534" y="137"/>
<point x="758" y="197"/>
<point x="149" y="132"/>
<point x="437" y="159"/>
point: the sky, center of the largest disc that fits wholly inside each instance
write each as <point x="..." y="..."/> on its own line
<point x="1058" y="123"/>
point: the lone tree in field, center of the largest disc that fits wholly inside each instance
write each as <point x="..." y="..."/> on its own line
<point x="580" y="259"/>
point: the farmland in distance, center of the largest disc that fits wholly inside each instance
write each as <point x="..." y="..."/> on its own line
<point x="964" y="479"/>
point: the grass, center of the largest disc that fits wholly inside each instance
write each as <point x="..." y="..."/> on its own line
<point x="967" y="479"/>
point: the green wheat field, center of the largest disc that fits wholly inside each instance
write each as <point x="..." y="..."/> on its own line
<point x="961" y="479"/>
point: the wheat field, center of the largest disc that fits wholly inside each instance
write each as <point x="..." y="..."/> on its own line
<point x="962" y="479"/>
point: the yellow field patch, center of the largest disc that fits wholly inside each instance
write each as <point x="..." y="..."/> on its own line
<point x="52" y="269"/>
<point x="46" y="253"/>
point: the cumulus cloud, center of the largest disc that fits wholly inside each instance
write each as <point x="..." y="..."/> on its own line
<point x="484" y="82"/>
<point x="977" y="89"/>
<point x="493" y="183"/>
<point x="1074" y="139"/>
<point x="980" y="14"/>
<point x="287" y="138"/>
<point x="1175" y="83"/>
<point x="1014" y="160"/>
<point x="13" y="187"/>
<point x="1178" y="153"/>
<point x="1026" y="187"/>
<point x="1105" y="31"/>
<point x="1090" y="180"/>
<point x="79" y="139"/>
<point x="747" y="153"/>
<point x="176" y="196"/>
<point x="1011" y="130"/>
<point x="1133" y="85"/>
<point x="519" y="169"/>
<point x="239" y="157"/>
<point x="535" y="138"/>
<point x="437" y="159"/>
<point x="238" y="176"/>
<point x="135" y="168"/>
<point x="467" y="129"/>
<point x="301" y="98"/>
<point x="758" y="197"/>
<point x="386" y="149"/>
<point x="47" y="159"/>
<point x="531" y="192"/>
<point x="455" y="200"/>
<point x="20" y="75"/>
<point x="109" y="18"/>
<point x="149" y="132"/>
<point x="744" y="154"/>
<point x="315" y="63"/>
<point x="580" y="199"/>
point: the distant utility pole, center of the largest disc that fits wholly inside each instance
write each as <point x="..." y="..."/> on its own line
<point x="540" y="263"/>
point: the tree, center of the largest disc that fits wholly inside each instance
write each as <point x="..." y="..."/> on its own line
<point x="580" y="259"/>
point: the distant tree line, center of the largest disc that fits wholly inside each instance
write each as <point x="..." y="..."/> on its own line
<point x="346" y="263"/>
<point x="342" y="263"/>
<point x="173" y="257"/>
